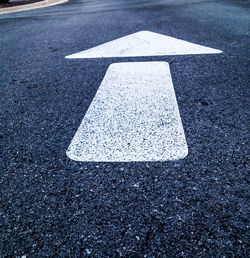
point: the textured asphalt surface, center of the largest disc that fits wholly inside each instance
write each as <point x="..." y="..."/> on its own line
<point x="53" y="206"/>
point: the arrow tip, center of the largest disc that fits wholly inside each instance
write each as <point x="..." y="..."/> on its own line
<point x="144" y="43"/>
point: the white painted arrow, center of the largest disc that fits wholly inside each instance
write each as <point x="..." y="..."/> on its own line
<point x="134" y="115"/>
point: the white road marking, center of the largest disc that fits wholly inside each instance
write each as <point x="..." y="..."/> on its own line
<point x="144" y="43"/>
<point x="133" y="117"/>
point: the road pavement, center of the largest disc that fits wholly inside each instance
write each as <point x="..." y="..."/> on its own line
<point x="51" y="205"/>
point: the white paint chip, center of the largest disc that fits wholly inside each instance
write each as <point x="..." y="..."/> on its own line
<point x="144" y="43"/>
<point x="133" y="117"/>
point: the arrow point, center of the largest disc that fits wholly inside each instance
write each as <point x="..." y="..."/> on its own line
<point x="144" y="43"/>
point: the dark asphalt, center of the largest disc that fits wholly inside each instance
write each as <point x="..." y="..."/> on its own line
<point x="53" y="206"/>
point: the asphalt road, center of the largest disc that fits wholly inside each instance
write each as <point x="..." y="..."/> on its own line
<point x="54" y="206"/>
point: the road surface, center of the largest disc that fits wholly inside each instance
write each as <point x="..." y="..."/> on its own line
<point x="51" y="205"/>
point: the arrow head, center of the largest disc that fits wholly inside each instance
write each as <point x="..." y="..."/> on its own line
<point x="144" y="43"/>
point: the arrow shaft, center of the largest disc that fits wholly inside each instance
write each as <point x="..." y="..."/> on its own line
<point x="133" y="117"/>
